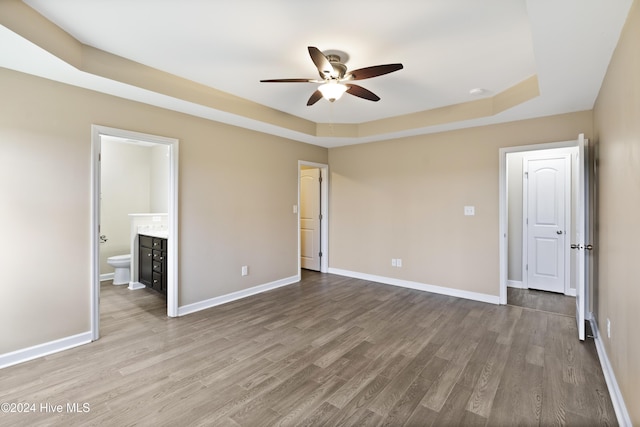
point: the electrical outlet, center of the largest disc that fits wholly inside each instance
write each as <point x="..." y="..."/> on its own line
<point x="469" y="210"/>
<point x="399" y="262"/>
<point x="394" y="262"/>
<point x="608" y="328"/>
<point x="245" y="270"/>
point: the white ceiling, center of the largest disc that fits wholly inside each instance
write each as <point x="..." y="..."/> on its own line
<point x="448" y="47"/>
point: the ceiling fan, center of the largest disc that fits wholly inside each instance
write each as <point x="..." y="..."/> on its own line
<point x="335" y="78"/>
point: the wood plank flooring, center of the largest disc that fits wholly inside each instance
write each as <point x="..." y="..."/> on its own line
<point x="328" y="351"/>
<point x="543" y="301"/>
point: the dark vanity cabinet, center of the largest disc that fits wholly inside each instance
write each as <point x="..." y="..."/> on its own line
<point x="152" y="262"/>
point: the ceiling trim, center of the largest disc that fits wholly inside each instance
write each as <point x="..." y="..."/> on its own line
<point x="29" y="24"/>
<point x="571" y="60"/>
<point x="509" y="98"/>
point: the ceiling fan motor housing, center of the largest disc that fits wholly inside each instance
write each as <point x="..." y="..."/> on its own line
<point x="337" y="65"/>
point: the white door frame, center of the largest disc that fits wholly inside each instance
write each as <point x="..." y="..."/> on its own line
<point x="172" y="218"/>
<point x="503" y="206"/>
<point x="567" y="157"/>
<point x="324" y="211"/>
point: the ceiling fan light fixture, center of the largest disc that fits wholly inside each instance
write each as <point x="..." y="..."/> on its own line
<point x="333" y="72"/>
<point x="332" y="90"/>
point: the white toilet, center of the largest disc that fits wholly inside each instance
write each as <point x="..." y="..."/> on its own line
<point x="121" y="263"/>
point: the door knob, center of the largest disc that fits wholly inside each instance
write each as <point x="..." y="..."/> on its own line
<point x="559" y="232"/>
<point x="587" y="247"/>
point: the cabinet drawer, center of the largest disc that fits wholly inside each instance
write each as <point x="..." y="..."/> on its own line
<point x="160" y="244"/>
<point x="146" y="241"/>
<point x="153" y="262"/>
<point x="158" y="282"/>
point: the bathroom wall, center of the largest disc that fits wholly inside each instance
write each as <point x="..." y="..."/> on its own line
<point x="125" y="181"/>
<point x="159" y="196"/>
<point x="134" y="179"/>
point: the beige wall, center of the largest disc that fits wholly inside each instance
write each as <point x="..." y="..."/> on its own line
<point x="237" y="188"/>
<point x="617" y="133"/>
<point x="404" y="199"/>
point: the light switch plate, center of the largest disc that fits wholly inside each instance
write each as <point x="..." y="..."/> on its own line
<point x="469" y="210"/>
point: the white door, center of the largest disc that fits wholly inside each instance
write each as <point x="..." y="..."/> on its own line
<point x="580" y="246"/>
<point x="546" y="222"/>
<point x="310" y="181"/>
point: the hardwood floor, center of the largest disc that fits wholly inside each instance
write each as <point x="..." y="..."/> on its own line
<point x="543" y="301"/>
<point x="328" y="351"/>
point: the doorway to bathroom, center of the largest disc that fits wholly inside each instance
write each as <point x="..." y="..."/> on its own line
<point x="150" y="164"/>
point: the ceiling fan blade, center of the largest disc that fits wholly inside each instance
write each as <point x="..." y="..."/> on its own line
<point x="288" y="81"/>
<point x="376" y="70"/>
<point x="322" y="63"/>
<point x="315" y="97"/>
<point x="361" y="92"/>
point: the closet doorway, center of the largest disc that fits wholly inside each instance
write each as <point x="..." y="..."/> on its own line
<point x="569" y="230"/>
<point x="313" y="216"/>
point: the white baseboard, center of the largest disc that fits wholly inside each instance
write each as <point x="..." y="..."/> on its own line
<point x="475" y="296"/>
<point x="203" y="305"/>
<point x="45" y="349"/>
<point x="106" y="276"/>
<point x="516" y="284"/>
<point x="624" y="419"/>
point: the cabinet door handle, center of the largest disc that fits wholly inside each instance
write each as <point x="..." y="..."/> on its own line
<point x="148" y="254"/>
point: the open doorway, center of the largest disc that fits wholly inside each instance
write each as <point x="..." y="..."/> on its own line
<point x="564" y="231"/>
<point x="102" y="138"/>
<point x="313" y="216"/>
<point x="541" y="207"/>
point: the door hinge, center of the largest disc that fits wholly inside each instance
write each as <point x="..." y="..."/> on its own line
<point x="526" y="174"/>
<point x="99" y="157"/>
<point x="320" y="217"/>
<point x="320" y="179"/>
<point x="320" y="254"/>
<point x="526" y="267"/>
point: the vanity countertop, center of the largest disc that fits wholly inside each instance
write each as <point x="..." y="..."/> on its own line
<point x="148" y="231"/>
